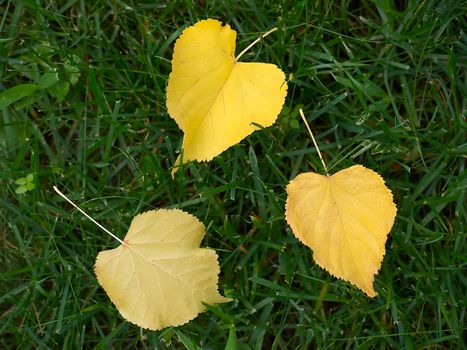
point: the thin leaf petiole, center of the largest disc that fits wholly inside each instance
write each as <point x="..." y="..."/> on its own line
<point x="255" y="42"/>
<point x="314" y="142"/>
<point x="90" y="218"/>
<point x="100" y="226"/>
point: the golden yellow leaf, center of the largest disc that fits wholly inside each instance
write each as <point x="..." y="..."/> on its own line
<point x="345" y="219"/>
<point x="213" y="98"/>
<point x="160" y="277"/>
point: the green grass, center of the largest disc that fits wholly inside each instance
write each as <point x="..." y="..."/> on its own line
<point x="382" y="85"/>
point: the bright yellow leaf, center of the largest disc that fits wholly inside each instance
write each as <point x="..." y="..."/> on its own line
<point x="345" y="219"/>
<point x="160" y="277"/>
<point x="213" y="98"/>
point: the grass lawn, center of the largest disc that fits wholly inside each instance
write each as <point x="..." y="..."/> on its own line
<point x="382" y="85"/>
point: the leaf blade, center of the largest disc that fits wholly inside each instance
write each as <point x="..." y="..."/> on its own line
<point x="214" y="99"/>
<point x="344" y="219"/>
<point x="16" y="93"/>
<point x="159" y="278"/>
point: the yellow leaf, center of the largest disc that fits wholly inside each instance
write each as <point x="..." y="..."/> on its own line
<point x="213" y="98"/>
<point x="345" y="219"/>
<point x="160" y="277"/>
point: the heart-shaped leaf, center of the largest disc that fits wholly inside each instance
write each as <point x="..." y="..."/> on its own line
<point x="345" y="219"/>
<point x="216" y="100"/>
<point x="160" y="277"/>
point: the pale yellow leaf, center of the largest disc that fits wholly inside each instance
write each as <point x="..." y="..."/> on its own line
<point x="345" y="219"/>
<point x="160" y="277"/>
<point x="213" y="98"/>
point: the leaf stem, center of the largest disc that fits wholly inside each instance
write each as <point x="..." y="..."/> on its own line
<point x="255" y="42"/>
<point x="314" y="142"/>
<point x="90" y="218"/>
